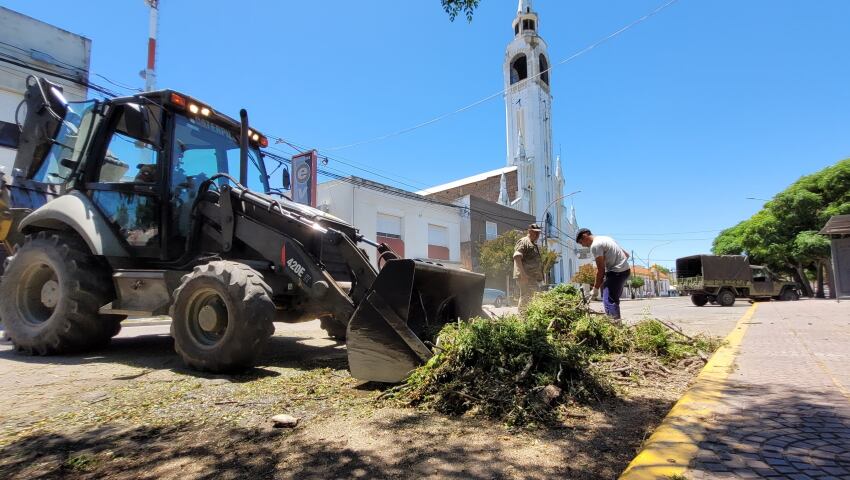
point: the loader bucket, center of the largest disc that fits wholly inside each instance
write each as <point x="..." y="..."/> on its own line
<point x="409" y="303"/>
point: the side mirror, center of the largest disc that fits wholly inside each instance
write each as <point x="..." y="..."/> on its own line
<point x="136" y="121"/>
<point x="285" y="180"/>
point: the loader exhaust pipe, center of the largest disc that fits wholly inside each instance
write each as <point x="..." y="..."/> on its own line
<point x="243" y="147"/>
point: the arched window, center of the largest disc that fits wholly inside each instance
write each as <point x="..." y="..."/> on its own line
<point x="528" y="25"/>
<point x="516" y="29"/>
<point x="519" y="69"/>
<point x="544" y="69"/>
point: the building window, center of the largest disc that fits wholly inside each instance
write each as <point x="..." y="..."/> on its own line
<point x="528" y="24"/>
<point x="438" y="242"/>
<point x="389" y="231"/>
<point x="544" y="69"/>
<point x="490" y="230"/>
<point x="519" y="69"/>
<point x="516" y="29"/>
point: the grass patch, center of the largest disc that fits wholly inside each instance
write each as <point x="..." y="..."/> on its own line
<point x="521" y="368"/>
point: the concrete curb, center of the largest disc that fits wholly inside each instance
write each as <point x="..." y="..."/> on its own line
<point x="675" y="442"/>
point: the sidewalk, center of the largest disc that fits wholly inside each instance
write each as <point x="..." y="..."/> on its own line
<point x="775" y="403"/>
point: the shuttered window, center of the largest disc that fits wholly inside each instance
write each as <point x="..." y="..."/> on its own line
<point x="389" y="226"/>
<point x="438" y="242"/>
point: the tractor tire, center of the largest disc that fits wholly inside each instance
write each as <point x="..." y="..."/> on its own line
<point x="726" y="298"/>
<point x="52" y="289"/>
<point x="333" y="328"/>
<point x="789" y="295"/>
<point x="222" y="317"/>
<point x="498" y="302"/>
<point x="699" y="300"/>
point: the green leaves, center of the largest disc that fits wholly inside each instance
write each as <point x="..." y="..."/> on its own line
<point x="455" y="7"/>
<point x="784" y="233"/>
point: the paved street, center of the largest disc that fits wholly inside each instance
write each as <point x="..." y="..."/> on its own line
<point x="786" y="408"/>
<point x="773" y="403"/>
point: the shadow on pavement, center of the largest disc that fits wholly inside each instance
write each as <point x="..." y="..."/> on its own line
<point x="156" y="351"/>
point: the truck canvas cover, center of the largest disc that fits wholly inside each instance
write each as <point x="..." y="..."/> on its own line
<point x="715" y="267"/>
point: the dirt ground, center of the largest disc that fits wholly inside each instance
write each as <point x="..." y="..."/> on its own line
<point x="133" y="411"/>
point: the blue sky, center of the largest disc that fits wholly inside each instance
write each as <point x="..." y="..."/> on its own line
<point x="665" y="129"/>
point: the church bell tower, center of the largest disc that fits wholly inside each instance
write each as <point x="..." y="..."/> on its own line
<point x="528" y="113"/>
<point x="528" y="119"/>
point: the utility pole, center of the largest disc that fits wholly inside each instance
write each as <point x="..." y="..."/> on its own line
<point x="632" y="290"/>
<point x="153" y="24"/>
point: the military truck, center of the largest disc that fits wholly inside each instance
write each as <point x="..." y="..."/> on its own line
<point x="720" y="279"/>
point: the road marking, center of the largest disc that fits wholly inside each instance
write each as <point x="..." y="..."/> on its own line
<point x="675" y="442"/>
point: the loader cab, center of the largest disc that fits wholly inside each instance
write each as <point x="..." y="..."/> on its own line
<point x="150" y="159"/>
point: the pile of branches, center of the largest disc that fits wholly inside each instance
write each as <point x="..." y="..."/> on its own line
<point x="520" y="369"/>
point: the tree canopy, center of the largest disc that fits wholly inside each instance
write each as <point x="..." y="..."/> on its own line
<point x="496" y="256"/>
<point x="783" y="234"/>
<point x="457" y="7"/>
<point x="585" y="274"/>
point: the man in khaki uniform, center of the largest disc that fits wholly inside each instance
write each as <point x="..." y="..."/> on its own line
<point x="528" y="267"/>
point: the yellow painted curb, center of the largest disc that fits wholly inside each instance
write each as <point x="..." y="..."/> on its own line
<point x="675" y="442"/>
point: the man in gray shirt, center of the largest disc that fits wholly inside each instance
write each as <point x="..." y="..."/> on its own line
<point x="612" y="269"/>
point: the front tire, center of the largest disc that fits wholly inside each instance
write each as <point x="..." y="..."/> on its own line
<point x="699" y="300"/>
<point x="726" y="298"/>
<point x="51" y="292"/>
<point x="222" y="317"/>
<point x="498" y="302"/>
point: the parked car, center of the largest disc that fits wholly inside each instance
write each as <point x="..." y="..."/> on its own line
<point x="495" y="297"/>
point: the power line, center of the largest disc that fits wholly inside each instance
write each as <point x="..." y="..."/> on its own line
<point x="503" y="91"/>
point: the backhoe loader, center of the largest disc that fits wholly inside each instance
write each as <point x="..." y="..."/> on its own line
<point x="157" y="204"/>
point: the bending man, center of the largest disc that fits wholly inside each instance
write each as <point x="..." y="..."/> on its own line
<point x="612" y="269"/>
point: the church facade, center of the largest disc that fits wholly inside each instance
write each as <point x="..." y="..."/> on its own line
<point x="533" y="181"/>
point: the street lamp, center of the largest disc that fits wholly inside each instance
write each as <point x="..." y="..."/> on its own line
<point x="649" y="266"/>
<point x="545" y="210"/>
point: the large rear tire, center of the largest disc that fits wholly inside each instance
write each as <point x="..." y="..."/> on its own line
<point x="51" y="291"/>
<point x="726" y="298"/>
<point x="699" y="300"/>
<point x="222" y="317"/>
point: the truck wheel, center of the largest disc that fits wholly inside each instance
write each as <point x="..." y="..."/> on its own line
<point x="789" y="295"/>
<point x="221" y="317"/>
<point x="726" y="298"/>
<point x="699" y="300"/>
<point x="52" y="289"/>
<point x="334" y="329"/>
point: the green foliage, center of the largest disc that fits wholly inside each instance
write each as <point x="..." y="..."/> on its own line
<point x="497" y="368"/>
<point x="782" y="234"/>
<point x="636" y="282"/>
<point x="496" y="256"/>
<point x="455" y="7"/>
<point x="661" y="268"/>
<point x="585" y="274"/>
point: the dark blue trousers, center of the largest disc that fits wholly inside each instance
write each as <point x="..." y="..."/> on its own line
<point x="612" y="289"/>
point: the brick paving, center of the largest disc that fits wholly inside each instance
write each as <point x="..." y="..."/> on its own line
<point x="785" y="410"/>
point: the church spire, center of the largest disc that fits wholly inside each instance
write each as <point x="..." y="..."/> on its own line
<point x="503" y="191"/>
<point x="524" y="6"/>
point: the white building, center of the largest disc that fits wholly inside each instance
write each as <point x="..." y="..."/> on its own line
<point x="27" y="46"/>
<point x="413" y="226"/>
<point x="528" y="119"/>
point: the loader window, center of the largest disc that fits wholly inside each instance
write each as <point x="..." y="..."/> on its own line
<point x="68" y="144"/>
<point x="202" y="149"/>
<point x="128" y="161"/>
